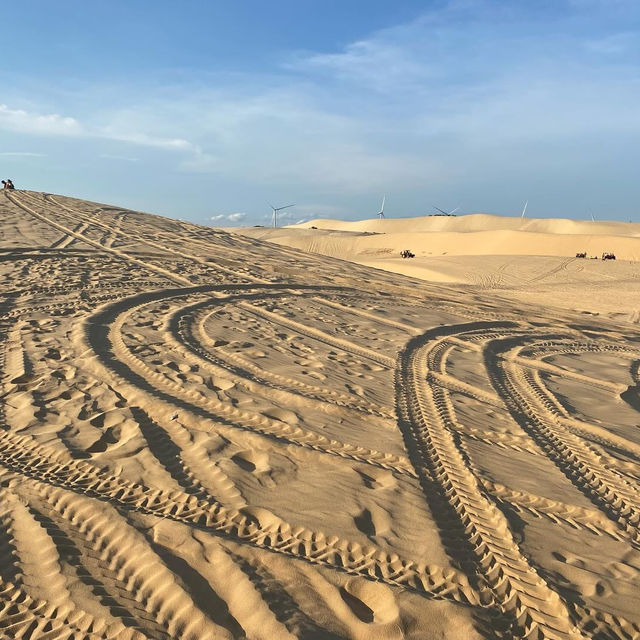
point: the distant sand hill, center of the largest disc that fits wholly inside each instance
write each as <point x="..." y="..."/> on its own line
<point x="477" y="234"/>
<point x="479" y="222"/>
<point x="527" y="259"/>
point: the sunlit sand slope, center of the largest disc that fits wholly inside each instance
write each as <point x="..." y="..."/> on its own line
<point x="207" y="436"/>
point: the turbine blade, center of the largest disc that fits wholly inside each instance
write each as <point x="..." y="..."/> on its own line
<point x="439" y="209"/>
<point x="453" y="211"/>
<point x="524" y="209"/>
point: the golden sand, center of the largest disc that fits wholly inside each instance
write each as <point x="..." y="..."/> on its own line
<point x="204" y="435"/>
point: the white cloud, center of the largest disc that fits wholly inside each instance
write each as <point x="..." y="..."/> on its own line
<point x="53" y="124"/>
<point x="47" y="124"/>
<point x="284" y="136"/>
<point x="111" y="156"/>
<point x="177" y="144"/>
<point x="200" y="162"/>
<point x="379" y="65"/>
<point x="320" y="210"/>
<point x="20" y="154"/>
<point x="231" y="217"/>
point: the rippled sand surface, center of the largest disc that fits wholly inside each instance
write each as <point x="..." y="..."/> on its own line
<point x="203" y="435"/>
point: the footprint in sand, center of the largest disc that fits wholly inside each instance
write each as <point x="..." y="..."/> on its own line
<point x="218" y="383"/>
<point x="265" y="519"/>
<point x="255" y="353"/>
<point x="181" y="367"/>
<point x="252" y="460"/>
<point x="282" y="415"/>
<point x="108" y="419"/>
<point x="373" y="521"/>
<point x="371" y="602"/>
<point x="377" y="479"/>
<point x="309" y="363"/>
<point x="118" y="429"/>
<point x="356" y="389"/>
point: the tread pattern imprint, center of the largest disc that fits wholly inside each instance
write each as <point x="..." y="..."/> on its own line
<point x="206" y="436"/>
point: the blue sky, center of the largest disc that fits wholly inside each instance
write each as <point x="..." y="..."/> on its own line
<point x="209" y="111"/>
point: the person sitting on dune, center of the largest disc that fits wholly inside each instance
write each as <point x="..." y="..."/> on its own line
<point x="9" y="184"/>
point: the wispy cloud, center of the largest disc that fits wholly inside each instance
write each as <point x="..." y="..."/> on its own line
<point x="172" y="144"/>
<point x="54" y="124"/>
<point x="373" y="63"/>
<point x="25" y="154"/>
<point x="318" y="210"/>
<point x="230" y="217"/>
<point x="111" y="156"/>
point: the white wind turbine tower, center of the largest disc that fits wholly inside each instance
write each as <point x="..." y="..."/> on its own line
<point x="275" y="210"/>
<point x="381" y="212"/>
<point x="524" y="209"/>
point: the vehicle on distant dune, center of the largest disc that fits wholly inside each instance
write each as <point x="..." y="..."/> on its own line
<point x="407" y="254"/>
<point x="607" y="255"/>
<point x="582" y="254"/>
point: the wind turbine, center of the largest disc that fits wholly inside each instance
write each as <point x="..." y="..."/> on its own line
<point x="381" y="212"/>
<point x="524" y="209"/>
<point x="446" y="213"/>
<point x="275" y="212"/>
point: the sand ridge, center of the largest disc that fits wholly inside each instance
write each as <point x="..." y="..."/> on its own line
<point x="204" y="435"/>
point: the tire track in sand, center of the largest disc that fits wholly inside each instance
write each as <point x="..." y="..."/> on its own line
<point x="101" y="335"/>
<point x="58" y="479"/>
<point x="527" y="605"/>
<point x="579" y="464"/>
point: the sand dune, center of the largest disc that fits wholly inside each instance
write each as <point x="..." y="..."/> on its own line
<point x="478" y="222"/>
<point x="469" y="235"/>
<point x="524" y="260"/>
<point x="204" y="435"/>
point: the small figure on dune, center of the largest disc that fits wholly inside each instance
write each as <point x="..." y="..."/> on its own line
<point x="7" y="184"/>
